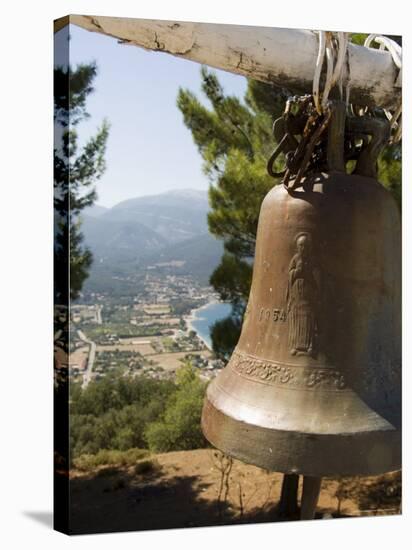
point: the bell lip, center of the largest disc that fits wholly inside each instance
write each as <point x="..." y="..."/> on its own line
<point x="366" y="420"/>
<point x="325" y="455"/>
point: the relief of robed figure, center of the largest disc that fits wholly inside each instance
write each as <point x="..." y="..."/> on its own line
<point x="303" y="297"/>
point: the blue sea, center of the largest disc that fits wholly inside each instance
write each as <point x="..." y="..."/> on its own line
<point x="206" y="316"/>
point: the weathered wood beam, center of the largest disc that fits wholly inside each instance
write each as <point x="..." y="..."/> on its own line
<point x="283" y="57"/>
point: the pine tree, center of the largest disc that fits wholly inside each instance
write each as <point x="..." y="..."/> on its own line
<point x="75" y="175"/>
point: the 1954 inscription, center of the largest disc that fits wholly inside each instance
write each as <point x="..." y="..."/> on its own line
<point x="276" y="315"/>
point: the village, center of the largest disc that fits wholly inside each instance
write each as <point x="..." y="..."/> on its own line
<point x="151" y="335"/>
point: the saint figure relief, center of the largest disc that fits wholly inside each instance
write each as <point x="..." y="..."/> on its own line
<point x="303" y="298"/>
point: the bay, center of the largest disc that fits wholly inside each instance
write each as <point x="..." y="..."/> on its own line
<point x="204" y="318"/>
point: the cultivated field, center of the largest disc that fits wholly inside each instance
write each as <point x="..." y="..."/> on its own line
<point x="172" y="361"/>
<point x="143" y="347"/>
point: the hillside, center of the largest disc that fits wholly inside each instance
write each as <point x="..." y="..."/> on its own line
<point x="95" y="210"/>
<point x="182" y="489"/>
<point x="112" y="240"/>
<point x="199" y="256"/>
<point x="145" y="231"/>
<point x="176" y="215"/>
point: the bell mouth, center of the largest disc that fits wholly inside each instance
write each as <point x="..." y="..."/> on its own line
<point x="291" y="452"/>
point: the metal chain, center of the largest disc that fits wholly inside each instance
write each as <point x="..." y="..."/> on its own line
<point x="312" y="114"/>
<point x="300" y="155"/>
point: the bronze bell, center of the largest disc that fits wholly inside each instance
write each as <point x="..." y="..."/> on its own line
<point x="313" y="386"/>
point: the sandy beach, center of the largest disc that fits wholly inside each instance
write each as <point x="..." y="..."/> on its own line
<point x="192" y="316"/>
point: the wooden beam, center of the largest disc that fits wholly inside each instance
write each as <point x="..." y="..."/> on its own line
<point x="283" y="57"/>
<point x="61" y="22"/>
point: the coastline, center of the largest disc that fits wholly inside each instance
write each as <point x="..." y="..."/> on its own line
<point x="192" y="316"/>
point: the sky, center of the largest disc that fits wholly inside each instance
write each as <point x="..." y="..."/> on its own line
<point x="149" y="150"/>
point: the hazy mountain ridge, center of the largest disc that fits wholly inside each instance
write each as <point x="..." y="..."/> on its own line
<point x="152" y="230"/>
<point x="95" y="210"/>
<point x="111" y="239"/>
<point x="200" y="256"/>
<point x="175" y="215"/>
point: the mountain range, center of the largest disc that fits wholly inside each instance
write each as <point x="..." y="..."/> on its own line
<point x="147" y="230"/>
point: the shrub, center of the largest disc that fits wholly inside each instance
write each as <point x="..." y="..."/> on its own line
<point x="108" y="471"/>
<point x="109" y="457"/>
<point x="146" y="467"/>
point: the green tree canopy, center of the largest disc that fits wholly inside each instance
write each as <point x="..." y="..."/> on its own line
<point x="179" y="427"/>
<point x="112" y="413"/>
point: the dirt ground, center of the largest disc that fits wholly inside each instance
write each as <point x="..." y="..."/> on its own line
<point x="79" y="357"/>
<point x="173" y="361"/>
<point x="186" y="489"/>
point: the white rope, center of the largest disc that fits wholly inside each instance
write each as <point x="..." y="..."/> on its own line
<point x="334" y="66"/>
<point x="335" y="59"/>
<point x="329" y="70"/>
<point x="395" y="50"/>
<point x="318" y="69"/>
